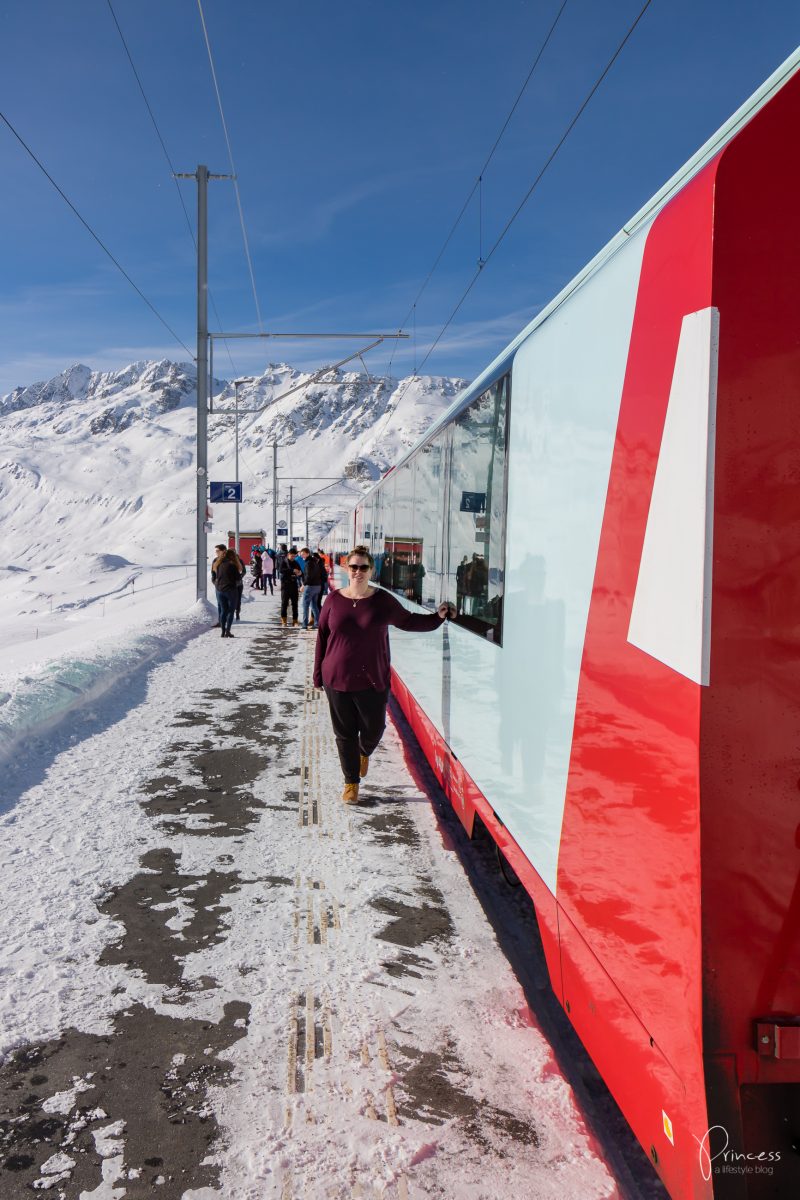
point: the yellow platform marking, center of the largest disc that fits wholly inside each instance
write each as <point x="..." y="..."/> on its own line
<point x="311" y="1038"/>
<point x="291" y="1058"/>
<point x="383" y="1055"/>
<point x="312" y="1019"/>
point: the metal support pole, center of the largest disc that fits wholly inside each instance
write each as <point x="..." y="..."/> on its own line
<point x="274" y="495"/>
<point x="236" y="458"/>
<point x="202" y="380"/>
<point x="307" y="527"/>
<point x="291" y="527"/>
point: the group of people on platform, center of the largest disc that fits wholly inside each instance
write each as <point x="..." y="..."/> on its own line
<point x="262" y="568"/>
<point x="307" y="571"/>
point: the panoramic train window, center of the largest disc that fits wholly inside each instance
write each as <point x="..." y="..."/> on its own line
<point x="385" y="505"/>
<point x="477" y="509"/>
<point x="431" y="484"/>
<point x="399" y="566"/>
<point x="377" y="533"/>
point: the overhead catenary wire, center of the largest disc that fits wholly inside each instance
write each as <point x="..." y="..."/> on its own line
<point x="96" y="237"/>
<point x="548" y="162"/>
<point x="479" y="177"/>
<point x="537" y="180"/>
<point x="325" y="488"/>
<point x="233" y="167"/>
<point x="173" y="172"/>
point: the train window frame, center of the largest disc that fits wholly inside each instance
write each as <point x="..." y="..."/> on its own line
<point x="492" y="633"/>
<point x="379" y="508"/>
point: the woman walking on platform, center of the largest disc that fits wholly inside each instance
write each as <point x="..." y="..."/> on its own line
<point x="352" y="662"/>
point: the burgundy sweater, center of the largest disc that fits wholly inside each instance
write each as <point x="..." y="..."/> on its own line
<point x="353" y="641"/>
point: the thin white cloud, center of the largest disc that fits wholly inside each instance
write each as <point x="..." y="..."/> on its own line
<point x="315" y="221"/>
<point x="465" y="349"/>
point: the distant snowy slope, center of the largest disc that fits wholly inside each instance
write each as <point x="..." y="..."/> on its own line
<point x="97" y="470"/>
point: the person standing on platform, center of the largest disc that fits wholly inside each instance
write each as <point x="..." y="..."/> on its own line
<point x="268" y="573"/>
<point x="315" y="576"/>
<point x="291" y="578"/>
<point x="257" y="569"/>
<point x="352" y="662"/>
<point x="240" y="587"/>
<point x="328" y="565"/>
<point x="219" y="552"/>
<point x="228" y="588"/>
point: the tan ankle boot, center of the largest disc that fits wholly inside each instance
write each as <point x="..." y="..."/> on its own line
<point x="283" y="620"/>
<point x="363" y="765"/>
<point x="350" y="793"/>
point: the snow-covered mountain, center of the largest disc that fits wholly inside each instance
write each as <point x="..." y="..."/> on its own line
<point x="97" y="469"/>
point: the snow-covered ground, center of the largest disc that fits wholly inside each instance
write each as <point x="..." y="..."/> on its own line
<point x="218" y="981"/>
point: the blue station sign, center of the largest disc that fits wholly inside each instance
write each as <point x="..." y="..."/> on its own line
<point x="225" y="493"/>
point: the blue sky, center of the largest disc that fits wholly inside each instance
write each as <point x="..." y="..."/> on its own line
<point x="358" y="130"/>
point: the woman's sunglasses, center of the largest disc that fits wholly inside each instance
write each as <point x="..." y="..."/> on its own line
<point x="358" y="566"/>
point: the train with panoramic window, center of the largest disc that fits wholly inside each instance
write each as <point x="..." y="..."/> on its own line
<point x="613" y="507"/>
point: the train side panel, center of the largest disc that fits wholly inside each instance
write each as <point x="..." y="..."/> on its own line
<point x="750" y="718"/>
<point x="633" y="743"/>
<point x="629" y="864"/>
<point x="507" y="712"/>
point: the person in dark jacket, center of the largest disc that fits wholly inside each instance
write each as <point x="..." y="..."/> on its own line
<point x="328" y="565"/>
<point x="291" y="576"/>
<point x="219" y="552"/>
<point x="352" y="662"/>
<point x="257" y="571"/>
<point x="316" y="577"/>
<point x="228" y="578"/>
<point x="240" y="587"/>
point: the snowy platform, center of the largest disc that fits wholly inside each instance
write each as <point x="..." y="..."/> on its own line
<point x="219" y="981"/>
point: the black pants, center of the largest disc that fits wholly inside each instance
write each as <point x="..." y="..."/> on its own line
<point x="267" y="579"/>
<point x="358" y="720"/>
<point x="289" y="596"/>
<point x="239" y="592"/>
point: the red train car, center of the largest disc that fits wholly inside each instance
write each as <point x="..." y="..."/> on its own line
<point x="619" y="698"/>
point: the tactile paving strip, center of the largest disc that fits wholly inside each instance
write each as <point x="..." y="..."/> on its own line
<point x="317" y="919"/>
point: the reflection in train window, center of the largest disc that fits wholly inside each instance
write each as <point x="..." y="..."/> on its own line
<point x="431" y="490"/>
<point x="398" y="569"/>
<point x="476" y="512"/>
<point x="383" y="559"/>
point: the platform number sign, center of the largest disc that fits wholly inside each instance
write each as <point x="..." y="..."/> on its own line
<point x="225" y="493"/>
<point x="474" y="502"/>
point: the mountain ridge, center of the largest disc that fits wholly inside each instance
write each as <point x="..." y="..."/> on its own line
<point x="107" y="458"/>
